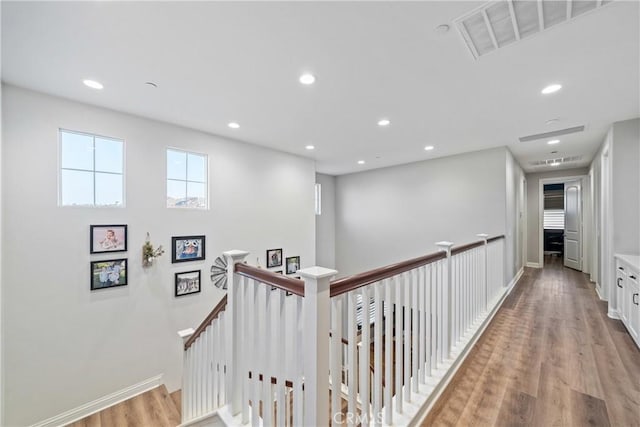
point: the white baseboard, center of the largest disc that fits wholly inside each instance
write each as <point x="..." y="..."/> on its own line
<point x="101" y="403"/>
<point x="598" y="293"/>
<point x="534" y="265"/>
<point x="515" y="279"/>
<point x="614" y="314"/>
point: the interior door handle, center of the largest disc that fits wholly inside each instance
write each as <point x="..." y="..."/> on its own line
<point x="621" y="268"/>
<point x="633" y="277"/>
<point x="634" y="299"/>
<point x="619" y="280"/>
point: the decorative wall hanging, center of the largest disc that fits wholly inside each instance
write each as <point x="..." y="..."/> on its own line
<point x="149" y="254"/>
<point x="219" y="273"/>
<point x="187" y="283"/>
<point x="274" y="258"/>
<point x="293" y="264"/>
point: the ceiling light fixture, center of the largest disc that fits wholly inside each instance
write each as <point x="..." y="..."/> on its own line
<point x="442" y="28"/>
<point x="93" y="84"/>
<point x="361" y="162"/>
<point x="429" y="148"/>
<point x="551" y="89"/>
<point x="309" y="147"/>
<point x="553" y="141"/>
<point x="384" y="122"/>
<point x="233" y="125"/>
<point x="307" y="79"/>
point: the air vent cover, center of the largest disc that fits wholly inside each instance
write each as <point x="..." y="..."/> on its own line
<point x="500" y="23"/>
<point x="558" y="161"/>
<point x="551" y="134"/>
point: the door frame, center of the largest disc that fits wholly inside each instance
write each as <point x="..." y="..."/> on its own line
<point x="557" y="180"/>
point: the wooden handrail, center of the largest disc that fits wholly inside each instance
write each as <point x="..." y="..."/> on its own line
<point x="463" y="248"/>
<point x="213" y="315"/>
<point x="289" y="284"/>
<point x="491" y="239"/>
<point x="347" y="284"/>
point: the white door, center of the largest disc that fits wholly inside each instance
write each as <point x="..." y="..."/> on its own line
<point x="572" y="225"/>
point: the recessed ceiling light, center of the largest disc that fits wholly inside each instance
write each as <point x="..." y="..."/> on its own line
<point x="553" y="141"/>
<point x="233" y="125"/>
<point x="429" y="147"/>
<point x="361" y="162"/>
<point x="384" y="122"/>
<point x="551" y="89"/>
<point x="555" y="164"/>
<point x="309" y="147"/>
<point x="307" y="79"/>
<point x="93" y="84"/>
<point x="442" y="28"/>
<point x="552" y="121"/>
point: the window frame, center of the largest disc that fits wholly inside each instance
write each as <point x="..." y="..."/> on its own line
<point x="62" y="130"/>
<point x="186" y="180"/>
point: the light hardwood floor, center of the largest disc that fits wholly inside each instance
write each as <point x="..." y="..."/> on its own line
<point x="550" y="357"/>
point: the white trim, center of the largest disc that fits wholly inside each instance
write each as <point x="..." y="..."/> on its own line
<point x="541" y="183"/>
<point x="612" y="313"/>
<point x="515" y="279"/>
<point x="597" y="286"/>
<point x="534" y="265"/>
<point x="214" y="418"/>
<point x="97" y="405"/>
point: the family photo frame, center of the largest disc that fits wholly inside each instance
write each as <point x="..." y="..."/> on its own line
<point x="187" y="283"/>
<point x="187" y="248"/>
<point x="108" y="273"/>
<point x="293" y="264"/>
<point x="108" y="238"/>
<point x="274" y="258"/>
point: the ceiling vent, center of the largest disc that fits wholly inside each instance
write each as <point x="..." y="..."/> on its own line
<point x="500" y="23"/>
<point x="555" y="162"/>
<point x="551" y="134"/>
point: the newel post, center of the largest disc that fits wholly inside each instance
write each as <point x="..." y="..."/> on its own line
<point x="485" y="278"/>
<point x="315" y="364"/>
<point x="447" y="309"/>
<point x="233" y="333"/>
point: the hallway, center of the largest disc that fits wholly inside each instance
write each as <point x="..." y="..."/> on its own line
<point x="551" y="357"/>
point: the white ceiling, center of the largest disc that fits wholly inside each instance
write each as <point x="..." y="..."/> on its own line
<point x="216" y="62"/>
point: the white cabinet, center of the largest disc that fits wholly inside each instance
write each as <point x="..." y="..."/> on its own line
<point x="628" y="293"/>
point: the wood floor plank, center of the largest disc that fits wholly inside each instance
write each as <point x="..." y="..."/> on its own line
<point x="567" y="363"/>
<point x="588" y="410"/>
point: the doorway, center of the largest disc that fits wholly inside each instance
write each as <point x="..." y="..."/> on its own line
<point x="561" y="221"/>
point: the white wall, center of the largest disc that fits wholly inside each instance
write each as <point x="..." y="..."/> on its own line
<point x="66" y="345"/>
<point x="514" y="216"/>
<point x="626" y="186"/>
<point x="392" y="214"/>
<point x="325" y="223"/>
<point x="533" y="208"/>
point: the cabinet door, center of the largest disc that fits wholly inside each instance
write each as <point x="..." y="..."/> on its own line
<point x="620" y="295"/>
<point x="633" y="306"/>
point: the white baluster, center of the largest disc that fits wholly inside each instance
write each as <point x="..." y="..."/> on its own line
<point x="399" y="340"/>
<point x="377" y="353"/>
<point x="280" y="355"/>
<point x="422" y="291"/>
<point x="224" y="361"/>
<point x="298" y="397"/>
<point x="407" y="336"/>
<point x="364" y="358"/>
<point x="266" y="350"/>
<point x="388" y="349"/>
<point x="336" y="358"/>
<point x="254" y="357"/>
<point x="352" y="357"/>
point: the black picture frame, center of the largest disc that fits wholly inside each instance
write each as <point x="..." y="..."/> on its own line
<point x="188" y="248"/>
<point x="100" y="242"/>
<point x="292" y="264"/>
<point x="274" y="258"/>
<point x="187" y="283"/>
<point x="109" y="273"/>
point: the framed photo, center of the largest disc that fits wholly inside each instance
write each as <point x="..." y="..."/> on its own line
<point x="187" y="283"/>
<point x="274" y="258"/>
<point x="108" y="238"/>
<point x="187" y="248"/>
<point x="108" y="273"/>
<point x="293" y="264"/>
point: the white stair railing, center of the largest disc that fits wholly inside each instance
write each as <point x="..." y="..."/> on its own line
<point x="265" y="352"/>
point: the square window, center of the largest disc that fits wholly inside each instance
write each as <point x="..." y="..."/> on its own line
<point x="91" y="170"/>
